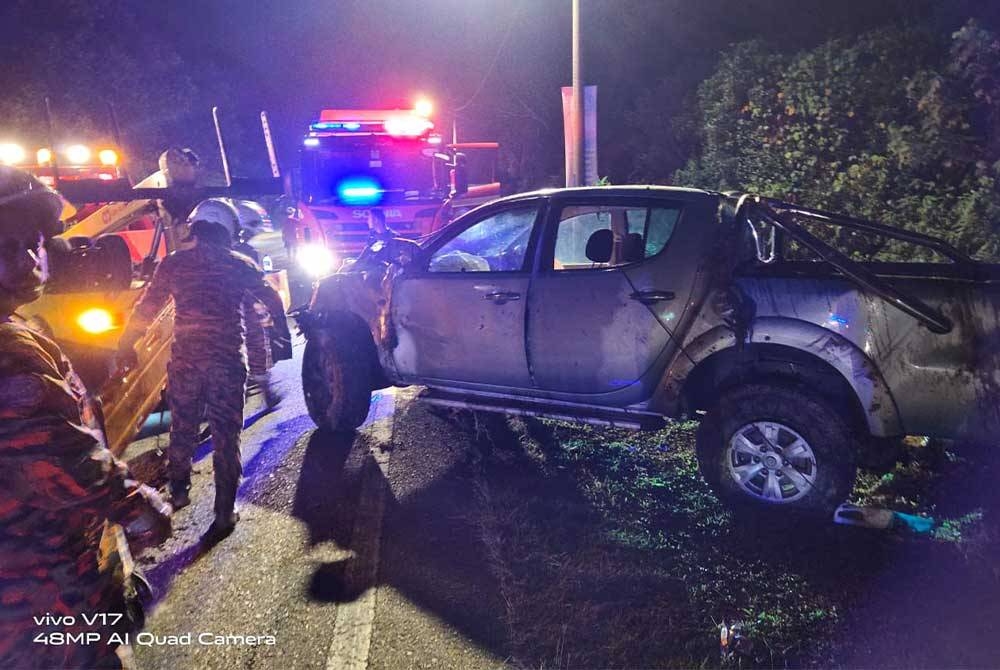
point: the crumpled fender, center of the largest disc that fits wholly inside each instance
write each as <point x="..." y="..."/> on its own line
<point x="863" y="376"/>
<point x="363" y="296"/>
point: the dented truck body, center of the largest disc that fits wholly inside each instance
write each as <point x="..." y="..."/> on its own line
<point x="624" y="305"/>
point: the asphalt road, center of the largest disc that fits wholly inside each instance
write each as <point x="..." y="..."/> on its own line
<point x="352" y="551"/>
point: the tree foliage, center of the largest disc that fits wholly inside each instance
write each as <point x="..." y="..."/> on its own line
<point x="896" y="125"/>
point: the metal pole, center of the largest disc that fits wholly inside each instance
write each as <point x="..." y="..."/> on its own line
<point x="116" y="134"/>
<point x="222" y="146"/>
<point x="576" y="175"/>
<point x="52" y="142"/>
<point x="265" y="124"/>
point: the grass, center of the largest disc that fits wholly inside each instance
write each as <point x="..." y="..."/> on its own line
<point x="614" y="553"/>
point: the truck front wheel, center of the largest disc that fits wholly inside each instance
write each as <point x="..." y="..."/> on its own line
<point x="775" y="449"/>
<point x="336" y="379"/>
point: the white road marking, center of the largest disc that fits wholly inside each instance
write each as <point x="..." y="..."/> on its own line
<point x="352" y="632"/>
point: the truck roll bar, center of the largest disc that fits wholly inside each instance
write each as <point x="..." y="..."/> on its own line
<point x="762" y="210"/>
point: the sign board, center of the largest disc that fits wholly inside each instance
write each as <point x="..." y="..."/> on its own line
<point x="589" y="134"/>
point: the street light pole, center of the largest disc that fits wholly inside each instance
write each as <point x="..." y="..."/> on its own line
<point x="576" y="172"/>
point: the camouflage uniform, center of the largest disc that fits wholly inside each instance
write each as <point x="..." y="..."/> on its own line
<point x="256" y="326"/>
<point x="207" y="369"/>
<point x="59" y="486"/>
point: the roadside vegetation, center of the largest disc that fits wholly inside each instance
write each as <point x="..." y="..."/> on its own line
<point x="899" y="125"/>
<point x="612" y="552"/>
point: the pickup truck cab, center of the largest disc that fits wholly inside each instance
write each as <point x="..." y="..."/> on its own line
<point x="622" y="306"/>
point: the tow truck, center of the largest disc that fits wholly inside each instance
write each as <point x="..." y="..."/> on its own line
<point x="112" y="243"/>
<point x="354" y="160"/>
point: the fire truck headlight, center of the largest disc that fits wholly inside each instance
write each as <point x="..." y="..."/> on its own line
<point x="12" y="154"/>
<point x="44" y="156"/>
<point x="108" y="157"/>
<point x="96" y="320"/>
<point x="77" y="154"/>
<point x="315" y="259"/>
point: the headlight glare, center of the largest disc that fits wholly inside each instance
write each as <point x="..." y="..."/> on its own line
<point x="108" y="157"/>
<point x="315" y="259"/>
<point x="12" y="154"/>
<point x="77" y="154"/>
<point x="96" y="320"/>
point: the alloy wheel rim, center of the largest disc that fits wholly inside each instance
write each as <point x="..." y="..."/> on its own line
<point x="771" y="462"/>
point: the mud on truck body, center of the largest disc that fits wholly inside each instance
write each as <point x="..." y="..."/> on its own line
<point x="622" y="306"/>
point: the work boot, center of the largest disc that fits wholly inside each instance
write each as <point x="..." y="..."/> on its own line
<point x="267" y="389"/>
<point x="222" y="527"/>
<point x="179" y="497"/>
<point x="271" y="395"/>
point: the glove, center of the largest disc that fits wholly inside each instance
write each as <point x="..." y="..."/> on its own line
<point x="153" y="525"/>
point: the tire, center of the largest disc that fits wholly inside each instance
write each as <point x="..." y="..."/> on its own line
<point x="336" y="378"/>
<point x="811" y="471"/>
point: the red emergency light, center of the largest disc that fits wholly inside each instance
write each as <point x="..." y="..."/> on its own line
<point x="408" y="126"/>
<point x="395" y="123"/>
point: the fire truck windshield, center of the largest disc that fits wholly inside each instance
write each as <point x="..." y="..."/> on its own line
<point x="366" y="170"/>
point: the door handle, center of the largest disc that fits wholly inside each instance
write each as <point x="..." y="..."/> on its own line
<point x="500" y="297"/>
<point x="650" y="297"/>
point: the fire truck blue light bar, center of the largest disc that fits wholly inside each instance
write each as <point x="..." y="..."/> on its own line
<point x="359" y="191"/>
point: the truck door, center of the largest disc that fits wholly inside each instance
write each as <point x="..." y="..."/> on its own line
<point x="459" y="314"/>
<point x="607" y="294"/>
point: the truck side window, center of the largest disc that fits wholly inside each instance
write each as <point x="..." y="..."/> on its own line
<point x="495" y="244"/>
<point x="636" y="233"/>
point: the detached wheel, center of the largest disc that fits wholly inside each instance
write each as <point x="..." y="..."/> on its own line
<point x="777" y="450"/>
<point x="336" y="378"/>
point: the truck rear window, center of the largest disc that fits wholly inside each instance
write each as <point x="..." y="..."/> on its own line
<point x="627" y="234"/>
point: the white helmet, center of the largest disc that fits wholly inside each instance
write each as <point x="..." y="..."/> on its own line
<point x="253" y="218"/>
<point x="220" y="211"/>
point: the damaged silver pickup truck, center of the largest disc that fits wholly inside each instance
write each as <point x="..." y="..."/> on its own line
<point x="622" y="306"/>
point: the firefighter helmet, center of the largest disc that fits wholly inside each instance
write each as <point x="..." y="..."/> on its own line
<point x="253" y="218"/>
<point x="24" y="199"/>
<point x="215" y="220"/>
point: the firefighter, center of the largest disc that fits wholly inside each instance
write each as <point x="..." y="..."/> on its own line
<point x="62" y="493"/>
<point x="377" y="227"/>
<point x="384" y="244"/>
<point x="260" y="328"/>
<point x="208" y="282"/>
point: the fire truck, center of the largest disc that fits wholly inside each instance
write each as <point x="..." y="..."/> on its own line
<point x="354" y="160"/>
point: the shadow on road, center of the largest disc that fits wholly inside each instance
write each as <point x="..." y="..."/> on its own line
<point x="431" y="550"/>
<point x="268" y="459"/>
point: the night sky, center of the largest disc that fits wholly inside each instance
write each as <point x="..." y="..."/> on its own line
<point x="500" y="62"/>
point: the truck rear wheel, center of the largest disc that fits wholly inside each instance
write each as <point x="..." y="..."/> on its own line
<point x="336" y="379"/>
<point x="777" y="450"/>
